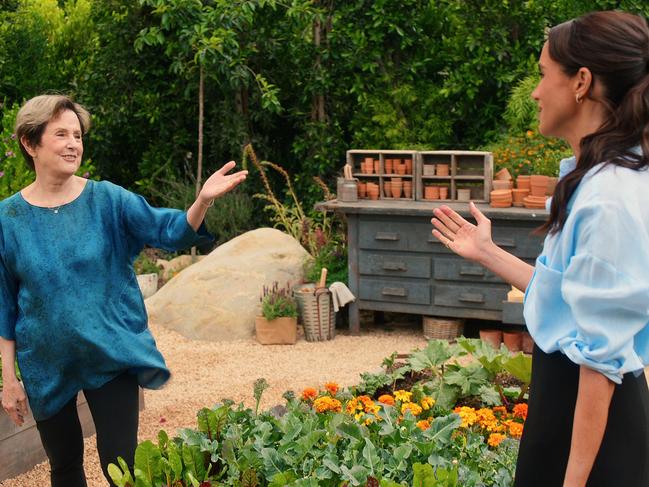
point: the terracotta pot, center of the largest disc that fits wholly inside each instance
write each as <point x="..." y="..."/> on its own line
<point x="552" y="184"/>
<point x="513" y="340"/>
<point x="362" y="190"/>
<point x="369" y="167"/>
<point x="377" y="166"/>
<point x="373" y="193"/>
<point x="396" y="189"/>
<point x="388" y="166"/>
<point x="442" y="169"/>
<point x="503" y="175"/>
<point x="443" y="193"/>
<point x="501" y="184"/>
<point x="397" y="180"/>
<point x="400" y="168"/>
<point x="519" y="195"/>
<point x="431" y="192"/>
<point x="523" y="182"/>
<point x="527" y="342"/>
<point x="280" y="331"/>
<point x="387" y="189"/>
<point x="408" y="163"/>
<point x="492" y="337"/>
<point x="407" y="189"/>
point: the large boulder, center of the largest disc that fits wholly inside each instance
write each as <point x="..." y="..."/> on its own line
<point x="217" y="298"/>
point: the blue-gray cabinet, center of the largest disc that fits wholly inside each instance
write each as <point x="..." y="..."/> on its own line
<point x="395" y="263"/>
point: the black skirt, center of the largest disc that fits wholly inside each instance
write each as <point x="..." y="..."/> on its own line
<point x="623" y="458"/>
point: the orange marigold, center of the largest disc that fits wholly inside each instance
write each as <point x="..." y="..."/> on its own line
<point x="309" y="394"/>
<point x="387" y="399"/>
<point x="326" y="403"/>
<point x="424" y="424"/>
<point x="495" y="439"/>
<point x="415" y="409"/>
<point x="332" y="387"/>
<point x="500" y="410"/>
<point x="515" y="429"/>
<point x="520" y="411"/>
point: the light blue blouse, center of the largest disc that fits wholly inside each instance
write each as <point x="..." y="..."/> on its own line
<point x="68" y="293"/>
<point x="589" y="295"/>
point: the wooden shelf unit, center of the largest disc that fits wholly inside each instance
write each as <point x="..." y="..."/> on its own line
<point x="356" y="156"/>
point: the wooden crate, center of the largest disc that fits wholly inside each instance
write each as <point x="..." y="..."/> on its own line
<point x="356" y="156"/>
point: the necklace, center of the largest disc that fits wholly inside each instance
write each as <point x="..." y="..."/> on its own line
<point x="56" y="209"/>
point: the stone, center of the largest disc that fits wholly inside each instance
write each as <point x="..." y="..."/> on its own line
<point x="172" y="267"/>
<point x="217" y="298"/>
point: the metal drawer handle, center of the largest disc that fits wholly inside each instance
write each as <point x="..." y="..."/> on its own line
<point x="393" y="237"/>
<point x="394" y="291"/>
<point x="506" y="242"/>
<point x="471" y="271"/>
<point x="471" y="298"/>
<point x="395" y="266"/>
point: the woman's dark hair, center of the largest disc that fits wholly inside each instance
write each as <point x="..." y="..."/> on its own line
<point x="614" y="46"/>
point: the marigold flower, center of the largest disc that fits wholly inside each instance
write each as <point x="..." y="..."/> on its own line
<point x="402" y="395"/>
<point x="515" y="429"/>
<point x="500" y="410"/>
<point x="427" y="403"/>
<point x="495" y="439"/>
<point x="468" y="415"/>
<point x="424" y="424"/>
<point x="520" y="411"/>
<point x="387" y="399"/>
<point x="529" y="133"/>
<point x="309" y="394"/>
<point x="326" y="403"/>
<point x="415" y="409"/>
<point x="332" y="388"/>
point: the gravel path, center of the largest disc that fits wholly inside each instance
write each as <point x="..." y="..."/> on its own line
<point x="205" y="372"/>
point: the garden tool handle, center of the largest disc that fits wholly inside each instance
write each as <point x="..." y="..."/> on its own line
<point x="323" y="278"/>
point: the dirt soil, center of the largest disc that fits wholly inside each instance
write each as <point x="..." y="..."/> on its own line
<point x="206" y="372"/>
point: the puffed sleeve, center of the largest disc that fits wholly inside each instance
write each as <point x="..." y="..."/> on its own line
<point x="8" y="303"/>
<point x="606" y="287"/>
<point x="163" y="228"/>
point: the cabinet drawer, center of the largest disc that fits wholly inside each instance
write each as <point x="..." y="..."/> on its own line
<point x="397" y="265"/>
<point x="476" y="297"/>
<point x="518" y="241"/>
<point x="395" y="291"/>
<point x="449" y="269"/>
<point x="393" y="235"/>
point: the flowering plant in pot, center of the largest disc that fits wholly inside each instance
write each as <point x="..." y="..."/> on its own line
<point x="277" y="324"/>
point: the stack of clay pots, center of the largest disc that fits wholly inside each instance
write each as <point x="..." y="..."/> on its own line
<point x="362" y="189"/>
<point x="501" y="196"/>
<point x="537" y="196"/>
<point x="521" y="191"/>
<point x="372" y="191"/>
<point x="432" y="192"/>
<point x="442" y="169"/>
<point x="370" y="165"/>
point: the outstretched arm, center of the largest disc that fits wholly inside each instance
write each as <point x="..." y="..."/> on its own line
<point x="14" y="400"/>
<point x="473" y="242"/>
<point x="216" y="185"/>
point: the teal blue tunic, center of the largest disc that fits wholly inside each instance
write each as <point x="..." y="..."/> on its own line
<point x="68" y="293"/>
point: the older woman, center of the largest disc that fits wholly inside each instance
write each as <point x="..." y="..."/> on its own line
<point x="70" y="306"/>
<point x="587" y="298"/>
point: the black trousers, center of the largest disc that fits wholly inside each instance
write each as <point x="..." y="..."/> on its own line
<point x="623" y="457"/>
<point x="114" y="409"/>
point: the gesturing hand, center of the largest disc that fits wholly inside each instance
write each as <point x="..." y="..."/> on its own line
<point x="221" y="182"/>
<point x="465" y="239"/>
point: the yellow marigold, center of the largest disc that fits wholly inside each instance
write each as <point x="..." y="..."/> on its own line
<point x="387" y="399"/>
<point x="468" y="415"/>
<point x="358" y="416"/>
<point x="415" y="409"/>
<point x="424" y="424"/>
<point x="326" y="403"/>
<point x="332" y="387"/>
<point x="487" y="419"/>
<point x="309" y="394"/>
<point x="368" y="421"/>
<point x="520" y="411"/>
<point x="427" y="403"/>
<point x="529" y="133"/>
<point x="353" y="405"/>
<point x="495" y="439"/>
<point x="402" y="395"/>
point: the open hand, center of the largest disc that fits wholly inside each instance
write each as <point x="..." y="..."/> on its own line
<point x="14" y="401"/>
<point x="221" y="182"/>
<point x="465" y="239"/>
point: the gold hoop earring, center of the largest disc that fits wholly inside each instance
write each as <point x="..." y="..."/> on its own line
<point x="578" y="99"/>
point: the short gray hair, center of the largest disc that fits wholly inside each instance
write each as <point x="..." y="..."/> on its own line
<point x="37" y="112"/>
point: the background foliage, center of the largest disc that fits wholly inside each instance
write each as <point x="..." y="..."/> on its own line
<point x="302" y="80"/>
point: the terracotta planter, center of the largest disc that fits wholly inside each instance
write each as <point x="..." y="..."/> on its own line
<point x="523" y="182"/>
<point x="503" y="175"/>
<point x="519" y="195"/>
<point x="527" y="342"/>
<point x="377" y="166"/>
<point x="442" y="169"/>
<point x="280" y="331"/>
<point x="407" y="189"/>
<point x="388" y="166"/>
<point x="396" y="188"/>
<point x="362" y="190"/>
<point x="501" y="184"/>
<point x="400" y="169"/>
<point x="373" y="193"/>
<point x="387" y="189"/>
<point x="513" y="340"/>
<point x="552" y="184"/>
<point x="538" y="185"/>
<point x="431" y="192"/>
<point x="408" y="163"/>
<point x="443" y="193"/>
<point x="492" y="337"/>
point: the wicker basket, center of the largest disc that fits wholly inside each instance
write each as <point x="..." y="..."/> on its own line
<point x="315" y="307"/>
<point x="443" y="329"/>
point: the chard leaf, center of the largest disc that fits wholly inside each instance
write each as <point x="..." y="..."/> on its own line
<point x="193" y="460"/>
<point x="147" y="459"/>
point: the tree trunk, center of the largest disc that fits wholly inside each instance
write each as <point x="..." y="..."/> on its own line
<point x="201" y="116"/>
